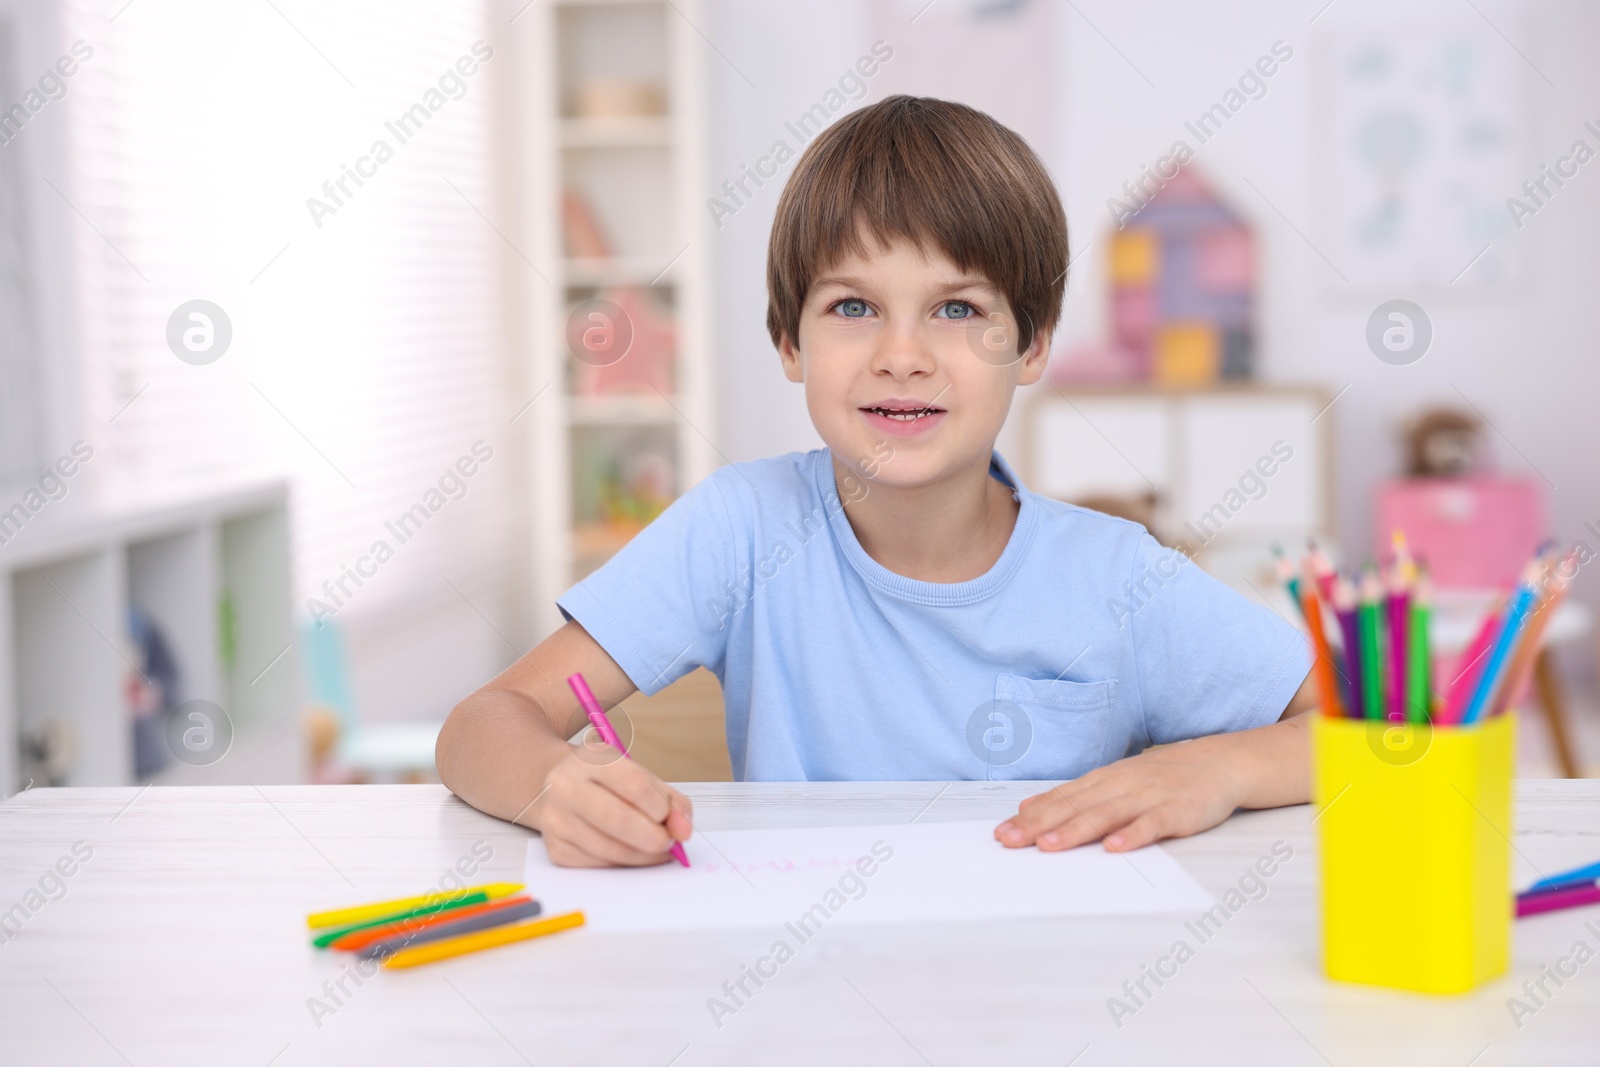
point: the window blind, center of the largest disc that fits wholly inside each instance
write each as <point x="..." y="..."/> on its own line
<point x="367" y="354"/>
<point x="20" y="396"/>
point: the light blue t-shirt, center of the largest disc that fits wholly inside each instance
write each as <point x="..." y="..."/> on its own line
<point x="1086" y="641"/>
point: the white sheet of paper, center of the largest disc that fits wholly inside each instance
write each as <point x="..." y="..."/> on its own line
<point x="921" y="872"/>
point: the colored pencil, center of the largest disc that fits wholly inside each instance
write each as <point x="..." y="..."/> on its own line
<point x="1287" y="575"/>
<point x="1556" y="900"/>
<point x="1399" y="608"/>
<point x="1469" y="666"/>
<point x="1344" y="598"/>
<point x="359" y="939"/>
<point x="1327" y="687"/>
<point x="1321" y="569"/>
<point x="1510" y="629"/>
<point x="1419" y="654"/>
<point x="504" y="935"/>
<point x="597" y="717"/>
<point x="1576" y="876"/>
<point x="1557" y="582"/>
<point x="1371" y="646"/>
<point x="391" y="908"/>
<point x="327" y="937"/>
<point x="470" y="924"/>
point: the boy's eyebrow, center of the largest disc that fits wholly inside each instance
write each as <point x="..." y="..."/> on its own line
<point x="849" y="281"/>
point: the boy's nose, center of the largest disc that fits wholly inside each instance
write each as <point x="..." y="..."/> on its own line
<point x="903" y="353"/>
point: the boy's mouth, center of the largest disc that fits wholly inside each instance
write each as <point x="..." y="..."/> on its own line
<point x="899" y="417"/>
<point x="904" y="411"/>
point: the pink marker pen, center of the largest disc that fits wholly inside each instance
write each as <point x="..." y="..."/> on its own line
<point x="597" y="717"/>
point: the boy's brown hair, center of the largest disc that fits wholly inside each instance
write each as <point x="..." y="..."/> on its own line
<point x="932" y="172"/>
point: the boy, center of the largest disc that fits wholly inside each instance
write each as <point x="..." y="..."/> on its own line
<point x="897" y="605"/>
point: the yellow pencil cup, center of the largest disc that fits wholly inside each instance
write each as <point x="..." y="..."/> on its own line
<point x="1414" y="828"/>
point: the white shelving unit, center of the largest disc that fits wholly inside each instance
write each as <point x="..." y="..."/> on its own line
<point x="1191" y="447"/>
<point x="67" y="581"/>
<point x="641" y="174"/>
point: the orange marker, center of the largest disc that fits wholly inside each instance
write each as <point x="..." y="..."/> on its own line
<point x="360" y="939"/>
<point x="504" y="935"/>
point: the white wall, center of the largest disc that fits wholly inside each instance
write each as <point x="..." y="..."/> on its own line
<point x="1526" y="355"/>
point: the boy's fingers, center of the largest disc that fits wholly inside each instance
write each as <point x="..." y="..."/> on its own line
<point x="679" y="826"/>
<point x="681" y="806"/>
<point x="1072" y="824"/>
<point x="564" y="853"/>
<point x="578" y="825"/>
<point x="619" y="819"/>
<point x="1049" y="811"/>
<point x="637" y="786"/>
<point x="1147" y="829"/>
<point x="1089" y="824"/>
<point x="601" y="844"/>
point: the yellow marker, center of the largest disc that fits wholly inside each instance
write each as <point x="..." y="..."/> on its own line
<point x="503" y="935"/>
<point x="365" y="912"/>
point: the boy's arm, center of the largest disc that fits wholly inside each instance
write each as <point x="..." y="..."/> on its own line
<point x="504" y="750"/>
<point x="1174" y="790"/>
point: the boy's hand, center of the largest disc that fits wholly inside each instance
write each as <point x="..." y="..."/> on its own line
<point x="1165" y="792"/>
<point x="614" y="814"/>
<point x="1175" y="790"/>
<point x="1171" y="791"/>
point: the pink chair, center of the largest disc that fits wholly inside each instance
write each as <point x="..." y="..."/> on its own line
<point x="1477" y="535"/>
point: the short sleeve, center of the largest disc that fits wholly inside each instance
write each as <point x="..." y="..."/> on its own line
<point x="654" y="605"/>
<point x="1207" y="660"/>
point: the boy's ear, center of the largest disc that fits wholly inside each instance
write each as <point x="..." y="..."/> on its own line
<point x="793" y="368"/>
<point x="1034" y="359"/>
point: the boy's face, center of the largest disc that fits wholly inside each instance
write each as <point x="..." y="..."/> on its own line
<point x="909" y="364"/>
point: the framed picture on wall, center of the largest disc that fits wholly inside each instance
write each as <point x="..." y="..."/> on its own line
<point x="1421" y="145"/>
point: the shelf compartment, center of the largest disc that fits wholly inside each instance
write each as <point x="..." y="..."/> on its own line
<point x="644" y="270"/>
<point x="622" y="478"/>
<point x="621" y="409"/>
<point x="643" y="131"/>
<point x="68" y="661"/>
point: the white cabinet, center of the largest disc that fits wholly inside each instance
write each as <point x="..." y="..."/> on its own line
<point x="1233" y="471"/>
<point x="213" y="573"/>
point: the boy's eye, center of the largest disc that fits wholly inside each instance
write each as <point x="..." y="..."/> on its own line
<point x="852" y="308"/>
<point x="958" y="309"/>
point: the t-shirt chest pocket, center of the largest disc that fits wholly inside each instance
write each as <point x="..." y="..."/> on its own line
<point x="1040" y="728"/>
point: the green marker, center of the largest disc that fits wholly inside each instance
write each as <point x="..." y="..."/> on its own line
<point x="327" y="938"/>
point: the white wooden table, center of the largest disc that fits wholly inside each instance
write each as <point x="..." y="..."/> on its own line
<point x="182" y="940"/>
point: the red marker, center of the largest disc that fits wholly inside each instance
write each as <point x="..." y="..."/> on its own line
<point x="597" y="717"/>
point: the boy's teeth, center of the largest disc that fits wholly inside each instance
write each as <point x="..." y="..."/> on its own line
<point x="903" y="416"/>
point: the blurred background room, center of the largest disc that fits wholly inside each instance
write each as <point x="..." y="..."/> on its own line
<point x="337" y="339"/>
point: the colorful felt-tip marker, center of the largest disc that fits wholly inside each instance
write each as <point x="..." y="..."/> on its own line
<point x="502" y="935"/>
<point x="516" y="910"/>
<point x="1557" y="899"/>
<point x="335" y="933"/>
<point x="387" y="909"/>
<point x="362" y="936"/>
<point x="597" y="717"/>
<point x="1566" y="879"/>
